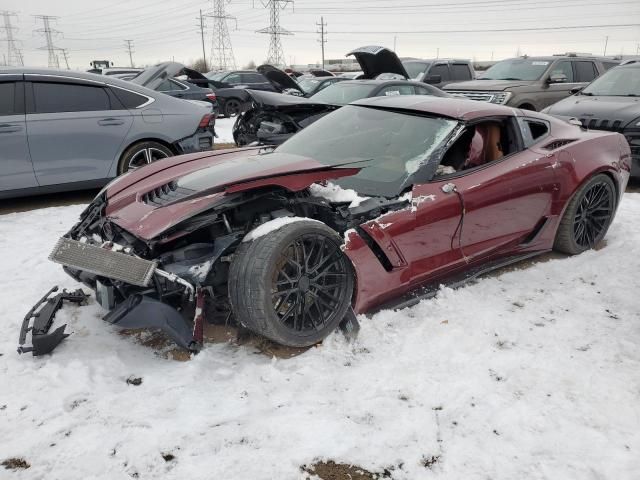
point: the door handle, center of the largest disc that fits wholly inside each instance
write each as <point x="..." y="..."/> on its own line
<point x="10" y="127"/>
<point x="110" y="121"/>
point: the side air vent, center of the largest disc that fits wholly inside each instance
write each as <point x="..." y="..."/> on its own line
<point x="558" y="143"/>
<point x="166" y="194"/>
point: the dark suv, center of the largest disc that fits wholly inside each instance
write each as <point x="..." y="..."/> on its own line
<point x="533" y="83"/>
<point x="611" y="102"/>
<point x="439" y="72"/>
<point x="243" y="78"/>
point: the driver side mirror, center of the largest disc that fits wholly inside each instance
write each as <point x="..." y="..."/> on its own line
<point x="433" y="79"/>
<point x="575" y="90"/>
<point x="557" y="78"/>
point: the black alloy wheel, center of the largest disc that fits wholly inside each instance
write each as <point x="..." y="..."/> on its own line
<point x="309" y="284"/>
<point x="232" y="108"/>
<point x="588" y="216"/>
<point x="293" y="285"/>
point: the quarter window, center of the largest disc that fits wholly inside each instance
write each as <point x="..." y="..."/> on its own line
<point x="7" y="98"/>
<point x="67" y="97"/>
<point x="129" y="99"/>
<point x="585" y="71"/>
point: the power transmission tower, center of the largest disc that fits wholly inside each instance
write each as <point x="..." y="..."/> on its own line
<point x="65" y="55"/>
<point x="276" y="55"/>
<point x="221" y="51"/>
<point x="129" y="46"/>
<point x="49" y="33"/>
<point x="14" y="55"/>
<point x="202" y="28"/>
<point x="323" y="34"/>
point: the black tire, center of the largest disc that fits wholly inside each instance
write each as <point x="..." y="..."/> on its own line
<point x="296" y="306"/>
<point x="587" y="217"/>
<point x="139" y="154"/>
<point x="527" y="106"/>
<point x="232" y="107"/>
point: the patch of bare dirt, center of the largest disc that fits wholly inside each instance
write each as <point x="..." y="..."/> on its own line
<point x="340" y="471"/>
<point x="15" y="464"/>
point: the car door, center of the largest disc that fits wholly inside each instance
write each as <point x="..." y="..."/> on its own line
<point x="76" y="128"/>
<point x="16" y="169"/>
<point x="507" y="201"/>
<point x="555" y="92"/>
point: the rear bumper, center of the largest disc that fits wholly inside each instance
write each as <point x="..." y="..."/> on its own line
<point x="199" y="142"/>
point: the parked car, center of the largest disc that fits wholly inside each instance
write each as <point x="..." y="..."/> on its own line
<point x="62" y="130"/>
<point x="273" y="118"/>
<point x="162" y="78"/>
<point x="236" y="100"/>
<point x="243" y="78"/>
<point x="439" y="72"/>
<point x="377" y="202"/>
<point x="312" y="85"/>
<point x="612" y="103"/>
<point x="120" y="71"/>
<point x="533" y="83"/>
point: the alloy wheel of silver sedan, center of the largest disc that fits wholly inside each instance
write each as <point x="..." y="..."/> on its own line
<point x="145" y="156"/>
<point x="142" y="154"/>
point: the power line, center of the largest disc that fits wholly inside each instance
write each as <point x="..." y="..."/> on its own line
<point x="323" y="39"/>
<point x="276" y="55"/>
<point x="49" y="33"/>
<point x="14" y="54"/>
<point x="222" y="57"/>
<point x="129" y="46"/>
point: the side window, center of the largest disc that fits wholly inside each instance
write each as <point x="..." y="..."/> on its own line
<point x="422" y="90"/>
<point x="233" y="79"/>
<point x="177" y="85"/>
<point x="129" y="99"/>
<point x="442" y="70"/>
<point x="460" y="71"/>
<point x="166" y="86"/>
<point x="396" y="90"/>
<point x="585" y="71"/>
<point x="252" y="78"/>
<point x="69" y="97"/>
<point x="7" y="98"/>
<point x="563" y="68"/>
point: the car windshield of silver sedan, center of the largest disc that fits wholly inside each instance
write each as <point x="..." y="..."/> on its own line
<point x="343" y="93"/>
<point x="618" y="82"/>
<point x="516" y="69"/>
<point x="388" y="146"/>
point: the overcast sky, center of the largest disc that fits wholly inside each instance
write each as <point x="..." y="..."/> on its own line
<point x="165" y="30"/>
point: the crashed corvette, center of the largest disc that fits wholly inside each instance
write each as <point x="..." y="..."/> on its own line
<point x="370" y="206"/>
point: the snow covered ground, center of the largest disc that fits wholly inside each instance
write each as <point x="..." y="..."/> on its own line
<point x="533" y="374"/>
<point x="224" y="127"/>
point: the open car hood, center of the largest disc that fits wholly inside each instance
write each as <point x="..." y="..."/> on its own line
<point x="153" y="199"/>
<point x="152" y="77"/>
<point x="279" y="79"/>
<point x="375" y="60"/>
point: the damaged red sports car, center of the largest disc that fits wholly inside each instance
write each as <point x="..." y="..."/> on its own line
<point x="372" y="205"/>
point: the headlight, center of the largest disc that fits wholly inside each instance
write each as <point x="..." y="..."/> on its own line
<point x="501" y="97"/>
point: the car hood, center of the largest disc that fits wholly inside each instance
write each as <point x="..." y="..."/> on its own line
<point x="487" y="85"/>
<point x="279" y="79"/>
<point x="613" y="109"/>
<point x="152" y="77"/>
<point x="375" y="60"/>
<point x="152" y="200"/>
<point x="284" y="102"/>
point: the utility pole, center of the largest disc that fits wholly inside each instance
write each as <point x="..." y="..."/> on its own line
<point x="222" y="57"/>
<point x="395" y="39"/>
<point x="437" y="52"/>
<point x="65" y="55"/>
<point x="276" y="56"/>
<point x="606" y="42"/>
<point x="14" y="54"/>
<point x="322" y="40"/>
<point x="49" y="33"/>
<point x="204" y="53"/>
<point x="129" y="46"/>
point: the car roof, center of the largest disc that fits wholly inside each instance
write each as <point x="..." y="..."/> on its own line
<point x="551" y="58"/>
<point x="432" y="60"/>
<point x="459" y="109"/>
